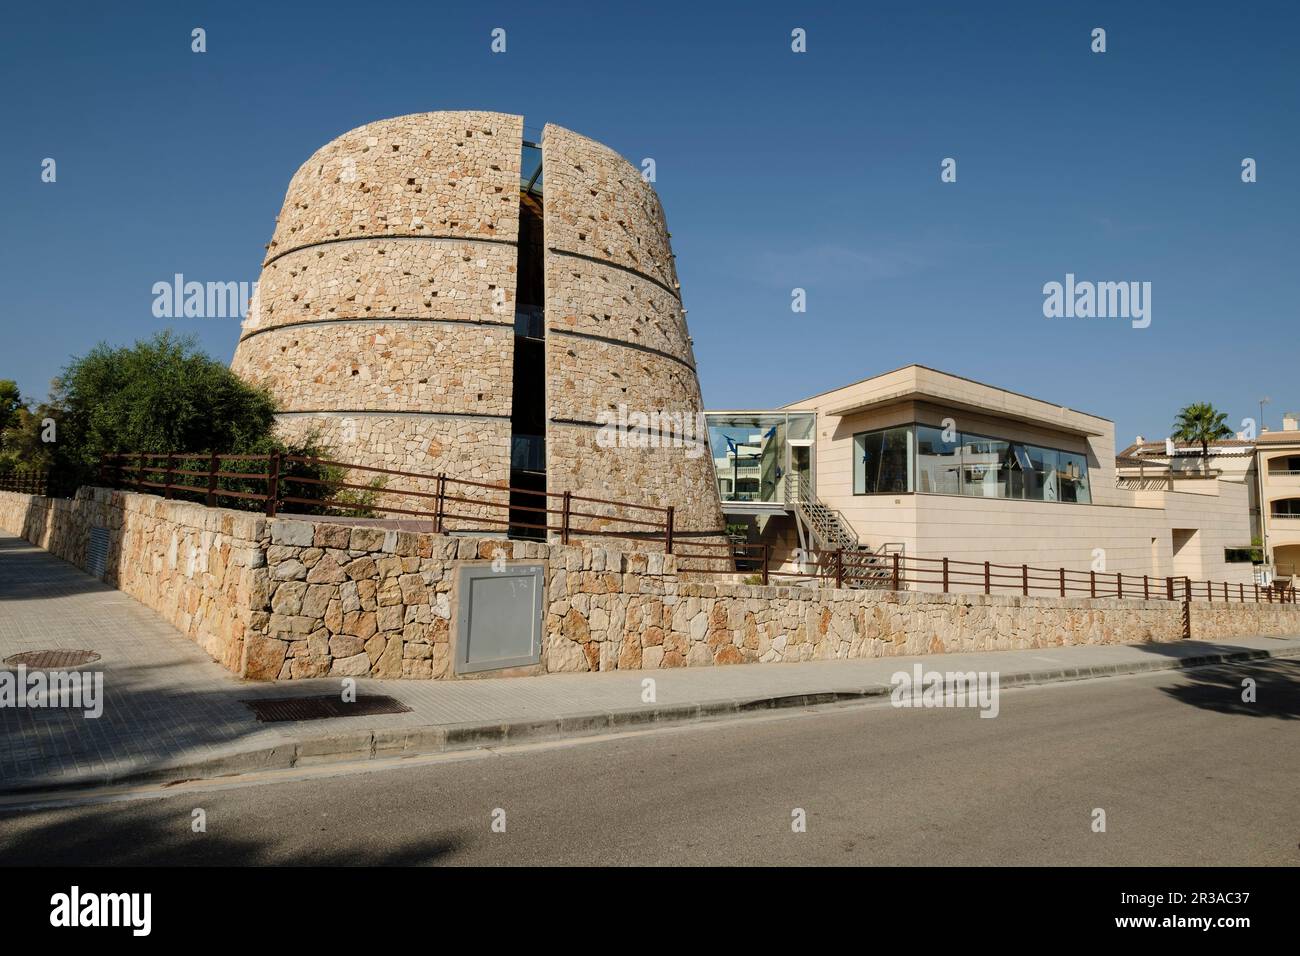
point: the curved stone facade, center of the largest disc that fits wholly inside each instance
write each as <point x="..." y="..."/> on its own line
<point x="616" y="334"/>
<point x="384" y="319"/>
<point x="384" y="315"/>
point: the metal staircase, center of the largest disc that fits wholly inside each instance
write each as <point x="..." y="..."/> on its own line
<point x="825" y="526"/>
<point x="828" y="532"/>
<point x="876" y="568"/>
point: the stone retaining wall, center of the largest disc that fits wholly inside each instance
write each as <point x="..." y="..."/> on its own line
<point x="284" y="598"/>
<point x="202" y="569"/>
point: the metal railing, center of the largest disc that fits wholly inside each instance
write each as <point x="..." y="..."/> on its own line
<point x="897" y="571"/>
<point x="275" y="483"/>
<point x="30" y="481"/>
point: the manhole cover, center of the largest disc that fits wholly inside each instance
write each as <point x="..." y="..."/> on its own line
<point x="52" y="660"/>
<point x="320" y="708"/>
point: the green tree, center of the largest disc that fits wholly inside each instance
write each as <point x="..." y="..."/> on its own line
<point x="159" y="395"/>
<point x="163" y="395"/>
<point x="28" y="441"/>
<point x="1201" y="422"/>
<point x="10" y="404"/>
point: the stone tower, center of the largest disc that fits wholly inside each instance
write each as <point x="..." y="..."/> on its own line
<point x="441" y="296"/>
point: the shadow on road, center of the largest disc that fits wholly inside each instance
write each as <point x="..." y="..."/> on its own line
<point x="160" y="832"/>
<point x="1222" y="689"/>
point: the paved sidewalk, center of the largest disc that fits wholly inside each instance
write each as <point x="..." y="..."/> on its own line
<point x="172" y="713"/>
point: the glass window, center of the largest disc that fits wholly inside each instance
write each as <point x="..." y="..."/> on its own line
<point x="984" y="466"/>
<point x="1072" y="476"/>
<point x="748" y="453"/>
<point x="938" y="462"/>
<point x="987" y="467"/>
<point x="801" y="424"/>
<point x="1041" y="480"/>
<point x="882" y="461"/>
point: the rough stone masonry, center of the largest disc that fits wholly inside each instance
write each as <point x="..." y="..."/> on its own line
<point x="285" y="599"/>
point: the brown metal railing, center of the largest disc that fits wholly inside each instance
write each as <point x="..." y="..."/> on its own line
<point x="30" y="481"/>
<point x="450" y="504"/>
<point x="897" y="571"/>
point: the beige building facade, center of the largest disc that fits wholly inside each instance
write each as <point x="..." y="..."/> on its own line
<point x="1277" y="465"/>
<point x="933" y="465"/>
<point x="1268" y="466"/>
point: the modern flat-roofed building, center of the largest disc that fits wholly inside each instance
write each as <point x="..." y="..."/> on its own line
<point x="936" y="465"/>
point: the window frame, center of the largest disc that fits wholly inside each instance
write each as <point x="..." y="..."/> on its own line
<point x="962" y="437"/>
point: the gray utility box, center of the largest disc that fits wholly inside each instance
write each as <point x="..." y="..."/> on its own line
<point x="499" y="617"/>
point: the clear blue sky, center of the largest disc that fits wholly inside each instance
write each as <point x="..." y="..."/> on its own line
<point x="776" y="170"/>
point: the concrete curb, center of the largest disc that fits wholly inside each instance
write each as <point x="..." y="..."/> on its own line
<point x="430" y="739"/>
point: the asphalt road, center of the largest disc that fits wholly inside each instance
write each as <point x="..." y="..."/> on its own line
<point x="1185" y="771"/>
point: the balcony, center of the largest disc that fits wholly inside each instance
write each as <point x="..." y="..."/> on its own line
<point x="1283" y="477"/>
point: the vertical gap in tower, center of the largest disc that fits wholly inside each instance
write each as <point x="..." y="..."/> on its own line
<point x="528" y="409"/>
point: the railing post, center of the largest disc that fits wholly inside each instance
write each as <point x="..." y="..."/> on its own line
<point x="139" y="475"/>
<point x="564" y="517"/>
<point x="1146" y="588"/>
<point x="211" y="499"/>
<point x="945" y="577"/>
<point x="1024" y="580"/>
<point x="1169" y="588"/>
<point x="1119" y="584"/>
<point x="272" y="484"/>
<point x="987" y="578"/>
<point x="839" y="567"/>
<point x="1241" y="593"/>
<point x="171" y="468"/>
<point x="894" y="583"/>
<point x="1062" y="582"/>
<point x="767" y="549"/>
<point x="1092" y="583"/>
<point x="668" y="531"/>
<point x="1225" y="591"/>
<point x="117" y="470"/>
<point x="1187" y="588"/>
<point x="1256" y="592"/>
<point x="440" y="504"/>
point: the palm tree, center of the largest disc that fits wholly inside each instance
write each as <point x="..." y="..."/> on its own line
<point x="1201" y="422"/>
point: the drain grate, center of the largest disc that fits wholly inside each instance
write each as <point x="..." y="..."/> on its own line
<point x="321" y="708"/>
<point x="51" y="660"/>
